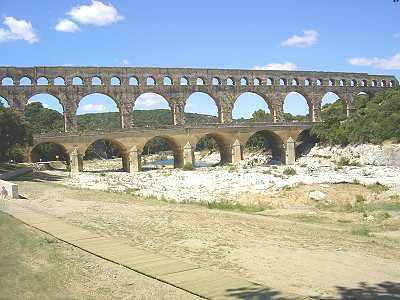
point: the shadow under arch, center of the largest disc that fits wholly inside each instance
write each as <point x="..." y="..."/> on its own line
<point x="161" y="151"/>
<point x="109" y="151"/>
<point x="160" y="114"/>
<point x="291" y="112"/>
<point x="304" y="142"/>
<point x="212" y="150"/>
<point x="256" y="102"/>
<point x="201" y="103"/>
<point x="270" y="143"/>
<point x="49" y="151"/>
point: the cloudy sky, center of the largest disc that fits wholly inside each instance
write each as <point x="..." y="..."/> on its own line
<point x="341" y="35"/>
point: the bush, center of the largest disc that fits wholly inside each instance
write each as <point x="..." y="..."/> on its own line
<point x="361" y="231"/>
<point x="360" y="206"/>
<point x="289" y="171"/>
<point x="377" y="188"/>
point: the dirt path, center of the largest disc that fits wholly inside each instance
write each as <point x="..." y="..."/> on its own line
<point x="289" y="256"/>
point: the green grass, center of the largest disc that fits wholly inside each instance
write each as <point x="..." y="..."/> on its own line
<point x="307" y="218"/>
<point x="360" y="231"/>
<point x="6" y="167"/>
<point x="289" y="171"/>
<point x="232" y="206"/>
<point x="31" y="265"/>
<point x="377" y="188"/>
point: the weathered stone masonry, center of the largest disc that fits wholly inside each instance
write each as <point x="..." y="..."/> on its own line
<point x="124" y="85"/>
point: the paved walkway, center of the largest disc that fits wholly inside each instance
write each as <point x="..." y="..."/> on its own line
<point x="182" y="274"/>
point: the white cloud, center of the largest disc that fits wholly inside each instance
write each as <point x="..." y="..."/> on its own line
<point x="150" y="100"/>
<point x="309" y="38"/>
<point x="67" y="26"/>
<point x="287" y="66"/>
<point x="97" y="13"/>
<point x="397" y="35"/>
<point x="17" y="30"/>
<point x="94" y="108"/>
<point x="126" y="62"/>
<point x="390" y="63"/>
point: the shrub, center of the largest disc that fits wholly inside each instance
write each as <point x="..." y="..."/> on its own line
<point x="377" y="188"/>
<point x="343" y="161"/>
<point x="360" y="206"/>
<point x="289" y="171"/>
<point x="361" y="231"/>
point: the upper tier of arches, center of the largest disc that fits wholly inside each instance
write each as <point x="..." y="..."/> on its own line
<point x="67" y="76"/>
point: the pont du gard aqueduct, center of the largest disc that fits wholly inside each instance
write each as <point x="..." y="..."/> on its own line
<point x="125" y="84"/>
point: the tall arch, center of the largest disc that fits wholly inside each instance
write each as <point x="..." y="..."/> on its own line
<point x="252" y="106"/>
<point x="201" y="108"/>
<point x="297" y="107"/>
<point x="45" y="113"/>
<point x="151" y="109"/>
<point x="97" y="111"/>
<point x="105" y="155"/>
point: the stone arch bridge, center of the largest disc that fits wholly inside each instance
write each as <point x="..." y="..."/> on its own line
<point x="125" y="84"/>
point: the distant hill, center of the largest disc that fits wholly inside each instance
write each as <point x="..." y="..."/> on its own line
<point x="139" y="118"/>
<point x="44" y="120"/>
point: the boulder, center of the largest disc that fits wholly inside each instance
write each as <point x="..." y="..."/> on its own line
<point x="316" y="195"/>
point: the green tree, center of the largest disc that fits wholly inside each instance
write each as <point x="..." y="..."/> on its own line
<point x="14" y="134"/>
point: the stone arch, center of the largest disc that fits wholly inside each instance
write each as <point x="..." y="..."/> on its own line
<point x="244" y="81"/>
<point x="216" y="81"/>
<point x="184" y="80"/>
<point x="258" y="99"/>
<point x="304" y="98"/>
<point x="392" y="83"/>
<point x="115" y="80"/>
<point x="230" y="81"/>
<point x="167" y="80"/>
<point x="25" y="80"/>
<point x="268" y="141"/>
<point x="77" y="80"/>
<point x="282" y="82"/>
<point x="59" y="81"/>
<point x="150" y="80"/>
<point x="202" y="102"/>
<point x="133" y="80"/>
<point x="163" y="142"/>
<point x="6" y="81"/>
<point x="93" y="102"/>
<point x="270" y="81"/>
<point x="331" y="82"/>
<point x="107" y="149"/>
<point x="295" y="82"/>
<point x="213" y="141"/>
<point x="200" y="81"/>
<point x="152" y="101"/>
<point x="96" y="80"/>
<point x="42" y="81"/>
<point x="35" y="93"/>
<point x="48" y="151"/>
<point x="257" y="81"/>
<point x="331" y="96"/>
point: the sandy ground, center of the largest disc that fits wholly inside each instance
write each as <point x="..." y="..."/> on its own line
<point x="35" y="265"/>
<point x="279" y="250"/>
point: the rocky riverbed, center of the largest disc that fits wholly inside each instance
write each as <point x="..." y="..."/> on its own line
<point x="365" y="165"/>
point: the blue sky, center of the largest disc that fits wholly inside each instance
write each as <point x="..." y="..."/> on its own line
<point x="341" y="35"/>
